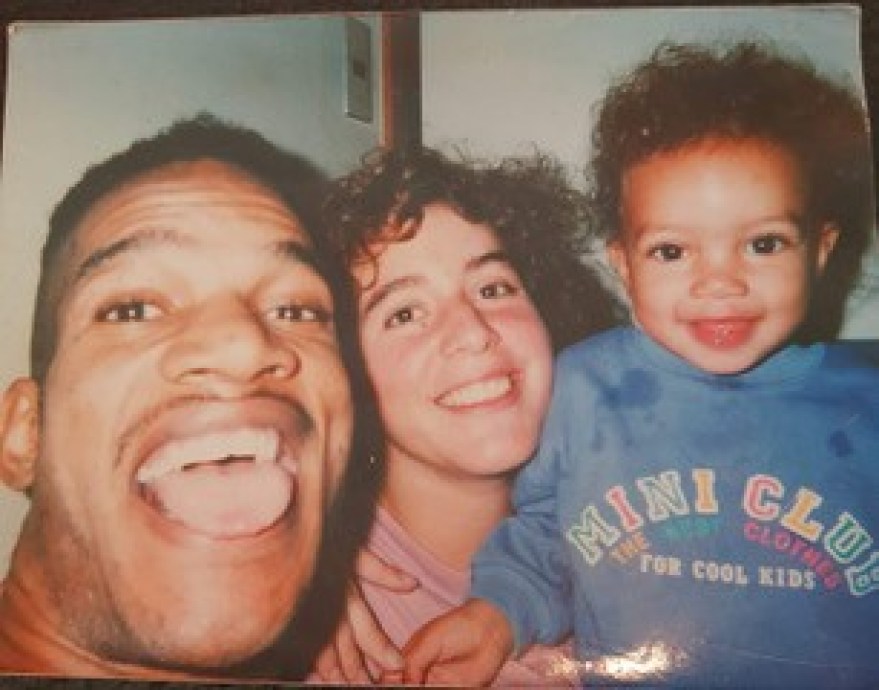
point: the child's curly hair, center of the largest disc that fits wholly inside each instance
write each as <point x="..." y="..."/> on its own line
<point x="685" y="93"/>
<point x="526" y="201"/>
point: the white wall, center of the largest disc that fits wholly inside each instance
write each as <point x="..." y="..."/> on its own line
<point x="499" y="82"/>
<point x="77" y="92"/>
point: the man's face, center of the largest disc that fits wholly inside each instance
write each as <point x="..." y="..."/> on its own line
<point x="713" y="253"/>
<point x="196" y="421"/>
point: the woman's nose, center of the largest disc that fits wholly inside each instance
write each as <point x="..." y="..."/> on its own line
<point x="228" y="343"/>
<point x="468" y="330"/>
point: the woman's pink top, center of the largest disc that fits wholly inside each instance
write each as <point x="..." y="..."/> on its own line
<point x="442" y="588"/>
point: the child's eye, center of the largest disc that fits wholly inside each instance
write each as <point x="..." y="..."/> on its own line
<point x="403" y="316"/>
<point x="767" y="244"/>
<point x="299" y="312"/>
<point x="497" y="289"/>
<point x="132" y="310"/>
<point x="667" y="252"/>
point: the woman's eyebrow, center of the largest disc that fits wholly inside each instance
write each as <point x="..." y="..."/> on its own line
<point x="494" y="256"/>
<point x="389" y="288"/>
<point x="407" y="281"/>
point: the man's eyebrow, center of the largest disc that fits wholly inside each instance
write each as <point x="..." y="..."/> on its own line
<point x="136" y="241"/>
<point x="156" y="237"/>
<point x="300" y="252"/>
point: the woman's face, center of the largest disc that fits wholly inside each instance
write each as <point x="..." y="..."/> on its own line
<point x="459" y="358"/>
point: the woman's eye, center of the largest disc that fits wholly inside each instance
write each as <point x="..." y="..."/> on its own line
<point x="767" y="244"/>
<point x="667" y="252"/>
<point x="498" y="289"/>
<point x="129" y="311"/>
<point x="402" y="316"/>
<point x="299" y="312"/>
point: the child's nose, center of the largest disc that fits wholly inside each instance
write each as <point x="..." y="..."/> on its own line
<point x="719" y="275"/>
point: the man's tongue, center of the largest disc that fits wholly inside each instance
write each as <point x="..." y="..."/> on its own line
<point x="232" y="496"/>
<point x="226" y="500"/>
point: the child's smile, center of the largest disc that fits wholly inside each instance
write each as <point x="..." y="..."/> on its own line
<point x="723" y="333"/>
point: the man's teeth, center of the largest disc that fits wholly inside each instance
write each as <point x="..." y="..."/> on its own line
<point x="262" y="445"/>
<point x="479" y="392"/>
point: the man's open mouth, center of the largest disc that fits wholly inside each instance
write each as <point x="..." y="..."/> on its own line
<point x="222" y="483"/>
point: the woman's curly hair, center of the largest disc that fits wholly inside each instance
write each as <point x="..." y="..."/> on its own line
<point x="684" y="94"/>
<point x="527" y="201"/>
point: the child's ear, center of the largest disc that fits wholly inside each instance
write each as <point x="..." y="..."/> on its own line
<point x="827" y="236"/>
<point x="19" y="433"/>
<point x="616" y="255"/>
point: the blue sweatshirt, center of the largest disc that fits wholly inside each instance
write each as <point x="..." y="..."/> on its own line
<point x="702" y="529"/>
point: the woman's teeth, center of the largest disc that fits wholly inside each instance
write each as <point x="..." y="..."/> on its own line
<point x="476" y="393"/>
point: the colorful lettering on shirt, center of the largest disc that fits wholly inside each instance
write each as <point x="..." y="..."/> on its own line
<point x="824" y="548"/>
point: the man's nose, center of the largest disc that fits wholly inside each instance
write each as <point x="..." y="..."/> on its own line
<point x="719" y="274"/>
<point x="228" y="343"/>
<point x="466" y="329"/>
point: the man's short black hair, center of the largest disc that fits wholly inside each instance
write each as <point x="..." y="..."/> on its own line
<point x="295" y="180"/>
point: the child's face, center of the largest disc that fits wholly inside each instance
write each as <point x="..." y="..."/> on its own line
<point x="712" y="251"/>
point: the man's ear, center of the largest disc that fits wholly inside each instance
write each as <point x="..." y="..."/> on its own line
<point x="616" y="255"/>
<point x="826" y="241"/>
<point x="19" y="433"/>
